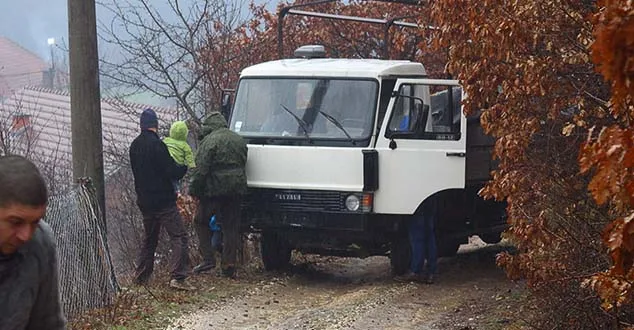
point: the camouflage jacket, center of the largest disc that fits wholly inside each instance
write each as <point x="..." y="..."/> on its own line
<point x="220" y="161"/>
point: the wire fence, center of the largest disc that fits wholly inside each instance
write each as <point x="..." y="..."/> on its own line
<point x="87" y="277"/>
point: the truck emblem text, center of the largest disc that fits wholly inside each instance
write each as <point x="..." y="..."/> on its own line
<point x="288" y="197"/>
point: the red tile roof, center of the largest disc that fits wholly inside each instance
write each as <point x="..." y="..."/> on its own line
<point x="48" y="142"/>
<point x="18" y="67"/>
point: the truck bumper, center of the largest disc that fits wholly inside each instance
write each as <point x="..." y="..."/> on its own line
<point x="263" y="220"/>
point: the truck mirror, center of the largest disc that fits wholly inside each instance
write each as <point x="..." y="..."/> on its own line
<point x="421" y="115"/>
<point x="424" y="118"/>
<point x="226" y="105"/>
<point x="416" y="122"/>
<point x="226" y="100"/>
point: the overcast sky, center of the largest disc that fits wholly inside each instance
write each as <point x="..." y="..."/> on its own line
<point x="31" y="22"/>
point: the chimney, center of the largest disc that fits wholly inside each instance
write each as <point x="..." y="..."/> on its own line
<point x="48" y="78"/>
<point x="21" y="122"/>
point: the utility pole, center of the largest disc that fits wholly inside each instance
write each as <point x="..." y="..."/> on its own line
<point x="50" y="83"/>
<point x="85" y="98"/>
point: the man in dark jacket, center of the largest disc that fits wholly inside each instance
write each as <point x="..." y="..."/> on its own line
<point x="154" y="171"/>
<point x="219" y="181"/>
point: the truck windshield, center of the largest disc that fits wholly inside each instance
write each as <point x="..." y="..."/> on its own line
<point x="270" y="109"/>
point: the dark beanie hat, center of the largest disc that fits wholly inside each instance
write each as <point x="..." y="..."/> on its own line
<point x="149" y="119"/>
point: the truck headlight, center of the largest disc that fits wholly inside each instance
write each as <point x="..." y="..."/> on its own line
<point x="353" y="203"/>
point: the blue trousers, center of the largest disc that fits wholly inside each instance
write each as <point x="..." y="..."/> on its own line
<point x="216" y="240"/>
<point x="422" y="240"/>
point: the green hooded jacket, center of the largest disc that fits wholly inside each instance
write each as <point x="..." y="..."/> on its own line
<point x="221" y="159"/>
<point x="177" y="144"/>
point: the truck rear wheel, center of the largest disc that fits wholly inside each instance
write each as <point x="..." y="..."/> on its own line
<point x="400" y="255"/>
<point x="276" y="252"/>
<point x="491" y="238"/>
<point x="448" y="248"/>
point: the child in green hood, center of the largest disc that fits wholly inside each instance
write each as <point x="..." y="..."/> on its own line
<point x="177" y="144"/>
<point x="178" y="148"/>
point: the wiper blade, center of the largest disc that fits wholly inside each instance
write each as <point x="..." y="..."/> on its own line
<point x="338" y="124"/>
<point x="301" y="123"/>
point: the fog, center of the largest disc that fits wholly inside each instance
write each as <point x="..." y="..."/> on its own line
<point x="31" y="23"/>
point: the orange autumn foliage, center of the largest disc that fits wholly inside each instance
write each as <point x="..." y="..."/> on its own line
<point x="609" y="155"/>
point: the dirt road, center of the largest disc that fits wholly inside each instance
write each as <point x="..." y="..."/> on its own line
<point x="348" y="293"/>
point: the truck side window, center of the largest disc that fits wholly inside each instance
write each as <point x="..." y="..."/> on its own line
<point x="441" y="104"/>
<point x="445" y="108"/>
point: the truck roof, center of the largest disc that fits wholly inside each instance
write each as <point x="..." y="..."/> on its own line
<point x="335" y="67"/>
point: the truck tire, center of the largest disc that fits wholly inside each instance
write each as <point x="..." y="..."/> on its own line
<point x="400" y="256"/>
<point x="448" y="248"/>
<point x="276" y="253"/>
<point x="491" y="238"/>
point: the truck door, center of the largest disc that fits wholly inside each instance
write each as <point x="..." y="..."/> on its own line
<point x="421" y="144"/>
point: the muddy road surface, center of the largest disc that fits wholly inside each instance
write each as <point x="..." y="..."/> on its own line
<point x="470" y="292"/>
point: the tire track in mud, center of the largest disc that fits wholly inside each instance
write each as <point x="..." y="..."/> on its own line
<point x="349" y="293"/>
<point x="315" y="299"/>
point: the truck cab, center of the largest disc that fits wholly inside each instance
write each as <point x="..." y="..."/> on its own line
<point x="342" y="152"/>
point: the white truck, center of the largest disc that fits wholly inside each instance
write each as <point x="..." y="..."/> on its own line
<point x="343" y="151"/>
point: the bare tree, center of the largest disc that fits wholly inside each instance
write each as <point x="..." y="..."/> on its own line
<point x="159" y="49"/>
<point x="59" y="66"/>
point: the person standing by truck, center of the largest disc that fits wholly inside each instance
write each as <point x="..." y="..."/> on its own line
<point x="154" y="172"/>
<point x="422" y="239"/>
<point x="219" y="181"/>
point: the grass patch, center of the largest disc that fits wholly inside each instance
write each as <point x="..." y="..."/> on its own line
<point x="156" y="305"/>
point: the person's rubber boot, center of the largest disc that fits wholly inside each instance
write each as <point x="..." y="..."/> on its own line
<point x="204" y="267"/>
<point x="140" y="282"/>
<point x="183" y="285"/>
<point x="408" y="277"/>
<point x="229" y="272"/>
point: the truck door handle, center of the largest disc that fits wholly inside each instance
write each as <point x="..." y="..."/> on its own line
<point x="456" y="154"/>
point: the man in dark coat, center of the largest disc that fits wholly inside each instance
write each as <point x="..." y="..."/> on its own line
<point x="154" y="171"/>
<point x="219" y="181"/>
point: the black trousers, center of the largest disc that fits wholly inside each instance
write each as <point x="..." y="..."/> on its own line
<point x="171" y="220"/>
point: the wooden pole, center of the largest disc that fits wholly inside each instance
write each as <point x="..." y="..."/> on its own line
<point x="85" y="98"/>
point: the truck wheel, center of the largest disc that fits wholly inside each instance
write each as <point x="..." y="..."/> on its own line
<point x="448" y="248"/>
<point x="491" y="238"/>
<point x="400" y="255"/>
<point x="276" y="254"/>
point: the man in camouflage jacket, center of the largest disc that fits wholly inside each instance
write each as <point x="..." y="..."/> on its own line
<point x="219" y="181"/>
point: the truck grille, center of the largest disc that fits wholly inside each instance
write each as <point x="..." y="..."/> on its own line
<point x="295" y="200"/>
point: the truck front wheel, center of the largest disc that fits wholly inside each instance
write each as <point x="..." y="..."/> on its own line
<point x="276" y="252"/>
<point x="400" y="255"/>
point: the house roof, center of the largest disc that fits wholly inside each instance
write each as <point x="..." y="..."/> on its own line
<point x="18" y="67"/>
<point x="48" y="142"/>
